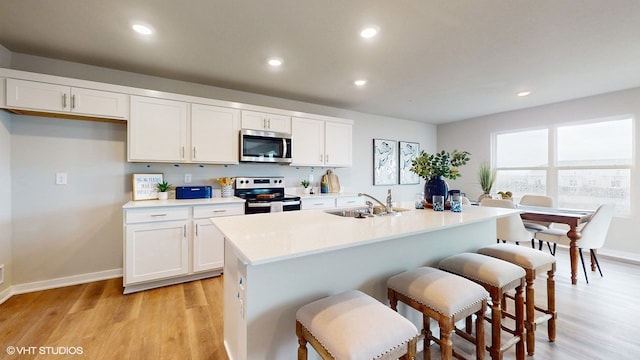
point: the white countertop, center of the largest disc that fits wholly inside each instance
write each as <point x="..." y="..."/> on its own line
<point x="326" y="195"/>
<point x="181" y="202"/>
<point x="264" y="238"/>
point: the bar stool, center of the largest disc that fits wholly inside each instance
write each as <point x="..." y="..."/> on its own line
<point x="533" y="262"/>
<point x="497" y="277"/>
<point x="445" y="297"/>
<point x="353" y="325"/>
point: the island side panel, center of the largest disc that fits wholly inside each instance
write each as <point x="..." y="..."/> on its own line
<point x="274" y="291"/>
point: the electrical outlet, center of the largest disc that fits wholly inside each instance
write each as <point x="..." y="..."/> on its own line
<point x="187" y="178"/>
<point x="61" y="178"/>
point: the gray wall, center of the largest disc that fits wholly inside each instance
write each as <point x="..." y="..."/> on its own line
<point x="474" y="136"/>
<point x="75" y="229"/>
<point x="5" y="199"/>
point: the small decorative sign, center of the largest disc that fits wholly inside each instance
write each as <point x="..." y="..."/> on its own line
<point x="144" y="186"/>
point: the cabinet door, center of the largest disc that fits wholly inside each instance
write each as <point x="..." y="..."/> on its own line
<point x="254" y="120"/>
<point x="279" y="123"/>
<point x="262" y="121"/>
<point x="307" y="142"/>
<point x="214" y="134"/>
<point x="156" y="251"/>
<point x="157" y="130"/>
<point x="99" y="103"/>
<point x="38" y="96"/>
<point x="338" y="144"/>
<point x="208" y="246"/>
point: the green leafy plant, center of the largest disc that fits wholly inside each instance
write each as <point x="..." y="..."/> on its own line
<point x="304" y="183"/>
<point x="443" y="164"/>
<point x="487" y="177"/>
<point x="163" y="186"/>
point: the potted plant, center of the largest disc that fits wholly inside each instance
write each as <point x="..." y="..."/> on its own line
<point x="163" y="188"/>
<point x="434" y="167"/>
<point x="305" y="184"/>
<point x="486" y="176"/>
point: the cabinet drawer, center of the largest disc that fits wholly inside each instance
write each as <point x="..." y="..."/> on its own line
<point x="208" y="211"/>
<point x="308" y="204"/>
<point x="156" y="214"/>
<point x="350" y="201"/>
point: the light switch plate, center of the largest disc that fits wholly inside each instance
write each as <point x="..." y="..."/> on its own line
<point x="61" y="178"/>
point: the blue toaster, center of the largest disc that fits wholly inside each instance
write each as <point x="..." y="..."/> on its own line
<point x="193" y="192"/>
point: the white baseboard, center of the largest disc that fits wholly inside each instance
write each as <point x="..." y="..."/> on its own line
<point x="65" y="281"/>
<point x="5" y="295"/>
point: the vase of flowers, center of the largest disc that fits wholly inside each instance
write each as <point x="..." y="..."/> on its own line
<point x="434" y="168"/>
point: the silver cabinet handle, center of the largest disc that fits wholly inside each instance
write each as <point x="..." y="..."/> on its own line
<point x="64" y="101"/>
<point x="194" y="152"/>
<point x="326" y="160"/>
<point x="73" y="101"/>
<point x="269" y="122"/>
<point x="182" y="152"/>
<point x="264" y="123"/>
<point x="219" y="211"/>
<point x="197" y="230"/>
<point x="321" y="157"/>
<point x="185" y="230"/>
<point x="158" y="215"/>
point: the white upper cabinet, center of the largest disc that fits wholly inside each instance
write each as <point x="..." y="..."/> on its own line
<point x="157" y="130"/>
<point x="263" y="121"/>
<point x="46" y="97"/>
<point x="338" y="143"/>
<point x="215" y="133"/>
<point x="321" y="143"/>
<point x="162" y="131"/>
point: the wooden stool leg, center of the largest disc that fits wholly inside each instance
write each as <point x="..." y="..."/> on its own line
<point x="530" y="318"/>
<point x="480" y="345"/>
<point x="551" y="304"/>
<point x="468" y="324"/>
<point x="520" y="323"/>
<point x="496" y="320"/>
<point x="302" y="342"/>
<point x="393" y="299"/>
<point x="446" y="345"/>
<point x="426" y="331"/>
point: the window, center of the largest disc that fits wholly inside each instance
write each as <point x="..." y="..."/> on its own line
<point x="580" y="165"/>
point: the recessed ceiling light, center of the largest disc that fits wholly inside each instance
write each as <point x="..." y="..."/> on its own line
<point x="524" y="93"/>
<point x="142" y="29"/>
<point x="275" y="62"/>
<point x="369" y="32"/>
<point x="360" y="82"/>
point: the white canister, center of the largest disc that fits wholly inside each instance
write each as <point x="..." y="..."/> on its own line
<point x="227" y="191"/>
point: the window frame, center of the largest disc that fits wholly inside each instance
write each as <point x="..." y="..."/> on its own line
<point x="553" y="169"/>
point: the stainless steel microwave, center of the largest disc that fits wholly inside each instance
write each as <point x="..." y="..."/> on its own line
<point x="265" y="146"/>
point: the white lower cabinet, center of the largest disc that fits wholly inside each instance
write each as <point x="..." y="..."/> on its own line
<point x="172" y="244"/>
<point x="156" y="251"/>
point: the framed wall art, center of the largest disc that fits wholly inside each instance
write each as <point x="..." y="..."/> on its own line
<point x="407" y="151"/>
<point x="385" y="162"/>
<point x="144" y="186"/>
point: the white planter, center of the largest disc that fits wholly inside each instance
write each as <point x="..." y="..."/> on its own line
<point x="227" y="191"/>
<point x="163" y="195"/>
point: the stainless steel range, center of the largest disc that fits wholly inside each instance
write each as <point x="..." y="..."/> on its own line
<point x="265" y="194"/>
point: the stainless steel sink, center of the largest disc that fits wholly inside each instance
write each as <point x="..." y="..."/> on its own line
<point x="363" y="213"/>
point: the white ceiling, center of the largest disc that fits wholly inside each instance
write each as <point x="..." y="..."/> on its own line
<point x="434" y="60"/>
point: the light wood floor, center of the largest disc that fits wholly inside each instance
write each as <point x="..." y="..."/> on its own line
<point x="596" y="321"/>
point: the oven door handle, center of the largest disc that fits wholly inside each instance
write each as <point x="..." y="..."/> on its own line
<point x="258" y="205"/>
<point x="292" y="202"/>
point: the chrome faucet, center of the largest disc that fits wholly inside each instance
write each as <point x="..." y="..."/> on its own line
<point x="387" y="207"/>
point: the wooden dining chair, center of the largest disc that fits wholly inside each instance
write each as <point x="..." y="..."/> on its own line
<point x="509" y="228"/>
<point x="594" y="234"/>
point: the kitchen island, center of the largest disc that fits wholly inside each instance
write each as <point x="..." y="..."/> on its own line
<point x="275" y="263"/>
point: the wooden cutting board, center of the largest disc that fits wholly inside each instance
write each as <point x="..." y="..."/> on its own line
<point x="334" y="182"/>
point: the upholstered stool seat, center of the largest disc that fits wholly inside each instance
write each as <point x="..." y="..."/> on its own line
<point x="533" y="262"/>
<point x="445" y="297"/>
<point x="497" y="277"/>
<point x="353" y="325"/>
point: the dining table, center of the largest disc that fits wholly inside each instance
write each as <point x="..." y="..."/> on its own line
<point x="571" y="217"/>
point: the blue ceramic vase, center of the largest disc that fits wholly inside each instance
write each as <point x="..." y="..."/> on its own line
<point x="436" y="186"/>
